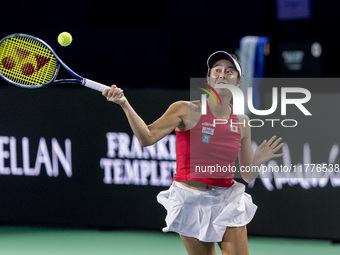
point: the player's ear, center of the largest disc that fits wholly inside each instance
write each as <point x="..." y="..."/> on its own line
<point x="238" y="84"/>
<point x="208" y="74"/>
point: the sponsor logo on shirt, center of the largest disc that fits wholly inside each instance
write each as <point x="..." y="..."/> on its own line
<point x="209" y="131"/>
<point x="205" y="139"/>
<point x="207" y="124"/>
<point x="234" y="128"/>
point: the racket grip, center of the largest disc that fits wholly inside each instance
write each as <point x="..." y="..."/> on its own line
<point x="95" y="85"/>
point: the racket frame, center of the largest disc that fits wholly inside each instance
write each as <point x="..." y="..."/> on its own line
<point x="77" y="78"/>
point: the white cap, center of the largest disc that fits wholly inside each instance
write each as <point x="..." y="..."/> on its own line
<point x="218" y="55"/>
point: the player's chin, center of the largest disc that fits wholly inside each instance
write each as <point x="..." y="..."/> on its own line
<point x="223" y="91"/>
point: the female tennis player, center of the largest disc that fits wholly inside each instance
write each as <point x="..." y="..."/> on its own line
<point x="205" y="207"/>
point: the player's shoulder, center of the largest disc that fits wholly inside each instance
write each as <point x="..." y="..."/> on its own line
<point x="243" y="117"/>
<point x="185" y="102"/>
<point x="186" y="105"/>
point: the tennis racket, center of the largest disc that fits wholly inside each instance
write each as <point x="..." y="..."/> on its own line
<point x="29" y="62"/>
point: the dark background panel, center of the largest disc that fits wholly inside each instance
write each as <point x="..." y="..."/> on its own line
<point x="84" y="200"/>
<point x="84" y="117"/>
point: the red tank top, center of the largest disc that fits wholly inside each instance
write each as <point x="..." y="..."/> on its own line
<point x="207" y="153"/>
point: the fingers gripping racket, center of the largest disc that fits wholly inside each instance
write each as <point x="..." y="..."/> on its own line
<point x="28" y="62"/>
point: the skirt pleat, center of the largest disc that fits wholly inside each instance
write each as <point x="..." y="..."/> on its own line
<point x="205" y="215"/>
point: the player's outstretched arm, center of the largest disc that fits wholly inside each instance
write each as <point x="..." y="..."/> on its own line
<point x="147" y="134"/>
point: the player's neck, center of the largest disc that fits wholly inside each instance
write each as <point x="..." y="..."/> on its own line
<point x="221" y="111"/>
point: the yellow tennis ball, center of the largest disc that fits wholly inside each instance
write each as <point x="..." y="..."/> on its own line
<point x="64" y="39"/>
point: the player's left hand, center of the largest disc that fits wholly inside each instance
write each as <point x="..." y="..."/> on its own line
<point x="267" y="150"/>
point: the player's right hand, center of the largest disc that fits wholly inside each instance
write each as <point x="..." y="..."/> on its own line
<point x="115" y="95"/>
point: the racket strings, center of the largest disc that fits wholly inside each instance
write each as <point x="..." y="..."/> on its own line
<point x="26" y="61"/>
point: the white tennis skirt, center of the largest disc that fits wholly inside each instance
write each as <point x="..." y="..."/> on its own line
<point x="205" y="215"/>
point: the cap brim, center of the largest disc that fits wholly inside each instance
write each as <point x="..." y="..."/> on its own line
<point x="218" y="55"/>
